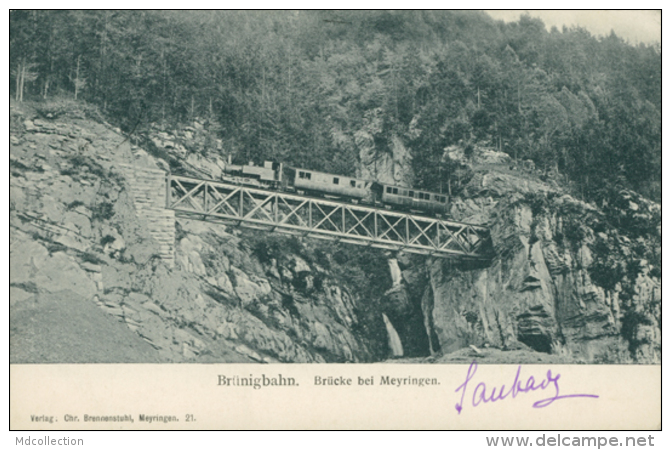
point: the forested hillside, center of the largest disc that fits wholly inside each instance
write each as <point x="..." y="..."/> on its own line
<point x="316" y="88"/>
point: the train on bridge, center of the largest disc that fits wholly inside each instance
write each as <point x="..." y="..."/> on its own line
<point x="278" y="176"/>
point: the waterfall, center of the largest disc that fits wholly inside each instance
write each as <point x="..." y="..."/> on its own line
<point x="395" y="271"/>
<point x="394" y="341"/>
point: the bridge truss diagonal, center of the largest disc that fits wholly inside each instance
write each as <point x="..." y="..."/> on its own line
<point x="322" y="218"/>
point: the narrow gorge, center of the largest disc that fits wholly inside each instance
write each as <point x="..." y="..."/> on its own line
<point x="99" y="273"/>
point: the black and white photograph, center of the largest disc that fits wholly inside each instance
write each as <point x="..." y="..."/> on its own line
<point x="256" y="190"/>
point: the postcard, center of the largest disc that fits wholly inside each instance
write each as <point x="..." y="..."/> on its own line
<point x="343" y="220"/>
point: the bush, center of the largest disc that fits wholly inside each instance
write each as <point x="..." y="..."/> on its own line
<point x="102" y="211"/>
<point x="630" y="323"/>
<point x="91" y="258"/>
<point x="468" y="151"/>
<point x="107" y="239"/>
<point x="16" y="124"/>
<point x="274" y="246"/>
<point x="75" y="204"/>
<point x="68" y="108"/>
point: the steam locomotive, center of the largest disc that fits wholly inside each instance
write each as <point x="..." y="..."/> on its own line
<point x="278" y="176"/>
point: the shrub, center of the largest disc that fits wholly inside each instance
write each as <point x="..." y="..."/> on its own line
<point x="102" y="211"/>
<point x="75" y="204"/>
<point x="55" y="247"/>
<point x="69" y="108"/>
<point x="468" y="150"/>
<point x="107" y="239"/>
<point x="90" y="258"/>
<point x="630" y="323"/>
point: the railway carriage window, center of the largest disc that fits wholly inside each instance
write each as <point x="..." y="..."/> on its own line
<point x="352" y="183"/>
<point x="308" y="175"/>
<point x="388" y="190"/>
<point x="336" y="180"/>
<point x="301" y="174"/>
<point x="395" y="191"/>
<point x="421" y="196"/>
<point x="411" y="194"/>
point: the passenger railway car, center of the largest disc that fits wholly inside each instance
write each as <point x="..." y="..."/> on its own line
<point x="413" y="199"/>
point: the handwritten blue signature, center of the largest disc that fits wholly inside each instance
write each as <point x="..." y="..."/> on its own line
<point x="481" y="394"/>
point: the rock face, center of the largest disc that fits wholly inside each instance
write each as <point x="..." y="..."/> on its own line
<point x="570" y="278"/>
<point x="281" y="306"/>
<point x="512" y="301"/>
<point x="386" y="167"/>
<point x="559" y="280"/>
<point x="87" y="223"/>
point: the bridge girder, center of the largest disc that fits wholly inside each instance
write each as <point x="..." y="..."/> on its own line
<point x="321" y="218"/>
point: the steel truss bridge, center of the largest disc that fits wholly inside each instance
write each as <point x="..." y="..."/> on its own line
<point x="325" y="219"/>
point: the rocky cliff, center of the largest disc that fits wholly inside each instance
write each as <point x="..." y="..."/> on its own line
<point x="78" y="236"/>
<point x="570" y="279"/>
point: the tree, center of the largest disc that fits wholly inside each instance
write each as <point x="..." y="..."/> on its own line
<point x="24" y="73"/>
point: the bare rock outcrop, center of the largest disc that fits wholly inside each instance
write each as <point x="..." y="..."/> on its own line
<point x="566" y="279"/>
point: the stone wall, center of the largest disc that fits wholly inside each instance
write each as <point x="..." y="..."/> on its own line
<point x="148" y="189"/>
